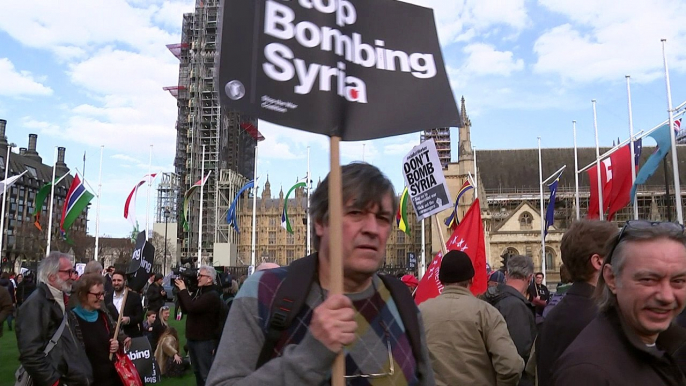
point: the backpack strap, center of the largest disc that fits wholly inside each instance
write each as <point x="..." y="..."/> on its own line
<point x="287" y="302"/>
<point x="56" y="336"/>
<point x="408" y="311"/>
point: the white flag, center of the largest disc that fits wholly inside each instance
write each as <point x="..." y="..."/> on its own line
<point x="5" y="184"/>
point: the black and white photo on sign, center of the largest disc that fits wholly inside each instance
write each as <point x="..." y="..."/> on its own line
<point x="425" y="181"/>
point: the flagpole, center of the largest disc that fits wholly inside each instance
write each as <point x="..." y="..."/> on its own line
<point x="254" y="216"/>
<point x="97" y="213"/>
<point x="476" y="177"/>
<point x="308" y="201"/>
<point x="147" y="202"/>
<point x="631" y="144"/>
<point x="672" y="136"/>
<point x="422" y="269"/>
<point x="601" y="209"/>
<point x="202" y="189"/>
<point x="52" y="200"/>
<point x="540" y="186"/>
<point x="576" y="174"/>
<point x="4" y="196"/>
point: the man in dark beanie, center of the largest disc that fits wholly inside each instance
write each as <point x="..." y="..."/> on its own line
<point x="467" y="338"/>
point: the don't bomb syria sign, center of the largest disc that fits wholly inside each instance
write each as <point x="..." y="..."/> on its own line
<point x="357" y="69"/>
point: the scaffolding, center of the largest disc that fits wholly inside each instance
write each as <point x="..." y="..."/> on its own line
<point x="204" y="126"/>
<point x="167" y="191"/>
<point x="441" y="137"/>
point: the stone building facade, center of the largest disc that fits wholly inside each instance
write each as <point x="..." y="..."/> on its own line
<point x="274" y="244"/>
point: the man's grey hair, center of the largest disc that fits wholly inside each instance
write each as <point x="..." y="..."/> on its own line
<point x="363" y="185"/>
<point x="520" y="267"/>
<point x="617" y="257"/>
<point x="93" y="267"/>
<point x="211" y="272"/>
<point x="51" y="265"/>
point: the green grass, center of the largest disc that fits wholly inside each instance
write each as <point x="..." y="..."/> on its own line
<point x="9" y="358"/>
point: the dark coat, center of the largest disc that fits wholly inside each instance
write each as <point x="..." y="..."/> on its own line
<point x="202" y="313"/>
<point x="155" y="297"/>
<point x="6" y="306"/>
<point x="38" y="319"/>
<point x="606" y="352"/>
<point x="133" y="308"/>
<point x="561" y="326"/>
<point x="519" y="316"/>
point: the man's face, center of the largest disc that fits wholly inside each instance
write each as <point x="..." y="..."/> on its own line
<point x="204" y="279"/>
<point x="539" y="279"/>
<point x="651" y="289"/>
<point x="65" y="276"/>
<point x="365" y="232"/>
<point x="118" y="282"/>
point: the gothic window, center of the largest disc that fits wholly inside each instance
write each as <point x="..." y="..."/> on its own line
<point x="525" y="220"/>
<point x="272" y="238"/>
<point x="290" y="256"/>
<point x="290" y="238"/>
<point x="510" y="251"/>
<point x="401" y="237"/>
<point x="549" y="259"/>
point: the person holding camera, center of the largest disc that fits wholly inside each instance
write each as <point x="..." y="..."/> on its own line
<point x="202" y="321"/>
<point x="155" y="294"/>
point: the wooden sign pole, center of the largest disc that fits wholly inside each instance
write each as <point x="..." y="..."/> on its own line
<point x="335" y="246"/>
<point x="440" y="233"/>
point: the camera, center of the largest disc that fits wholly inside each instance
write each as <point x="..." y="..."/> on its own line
<point x="186" y="272"/>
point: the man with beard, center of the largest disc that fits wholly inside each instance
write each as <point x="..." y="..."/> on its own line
<point x="132" y="314"/>
<point x="40" y="318"/>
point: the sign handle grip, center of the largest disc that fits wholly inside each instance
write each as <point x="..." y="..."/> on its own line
<point x="335" y="250"/>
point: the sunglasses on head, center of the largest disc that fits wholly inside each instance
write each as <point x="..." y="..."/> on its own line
<point x="633" y="225"/>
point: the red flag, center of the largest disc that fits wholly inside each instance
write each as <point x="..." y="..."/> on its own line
<point x="621" y="180"/>
<point x="606" y="181"/>
<point x="468" y="237"/>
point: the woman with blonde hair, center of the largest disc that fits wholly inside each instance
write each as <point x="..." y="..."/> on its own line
<point x="167" y="354"/>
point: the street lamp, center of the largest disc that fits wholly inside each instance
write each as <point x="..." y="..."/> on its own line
<point x="166" y="221"/>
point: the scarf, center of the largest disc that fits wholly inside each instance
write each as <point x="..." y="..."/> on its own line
<point x="88" y="316"/>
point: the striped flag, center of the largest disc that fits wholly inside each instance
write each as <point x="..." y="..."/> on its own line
<point x="130" y="204"/>
<point x="285" y="222"/>
<point x="401" y="216"/>
<point x="452" y="221"/>
<point x="43" y="193"/>
<point x="550" y="210"/>
<point x="186" y="200"/>
<point x="76" y="201"/>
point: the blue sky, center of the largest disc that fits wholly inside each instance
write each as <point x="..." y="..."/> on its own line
<point x="91" y="75"/>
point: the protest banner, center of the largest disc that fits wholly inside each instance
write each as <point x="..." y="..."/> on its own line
<point x="356" y="69"/>
<point x="143" y="358"/>
<point x="140" y="267"/>
<point x="425" y="180"/>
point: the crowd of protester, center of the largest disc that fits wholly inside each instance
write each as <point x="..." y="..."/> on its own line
<point x="614" y="318"/>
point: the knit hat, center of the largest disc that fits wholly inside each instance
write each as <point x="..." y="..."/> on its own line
<point x="497" y="276"/>
<point x="456" y="267"/>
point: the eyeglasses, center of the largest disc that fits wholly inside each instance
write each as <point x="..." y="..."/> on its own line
<point x="68" y="271"/>
<point x="642" y="225"/>
<point x="97" y="294"/>
<point x="201" y="275"/>
<point x="391" y="370"/>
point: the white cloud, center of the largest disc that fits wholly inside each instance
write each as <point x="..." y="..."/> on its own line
<point x="400" y="148"/>
<point x="464" y="20"/>
<point x="484" y="59"/>
<point x="126" y="158"/>
<point x="19" y="83"/>
<point x="47" y="128"/>
<point x="601" y="45"/>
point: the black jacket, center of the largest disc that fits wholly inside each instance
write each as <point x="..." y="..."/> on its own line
<point x="608" y="353"/>
<point x="133" y="309"/>
<point x="518" y="314"/>
<point x="155" y="297"/>
<point x="6" y="306"/>
<point x="561" y="326"/>
<point x="202" y="313"/>
<point x="38" y="319"/>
